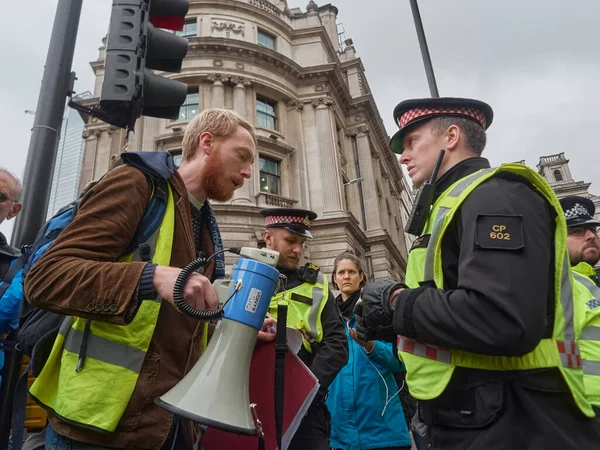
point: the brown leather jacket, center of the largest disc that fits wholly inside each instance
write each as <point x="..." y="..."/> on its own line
<point x="80" y="269"/>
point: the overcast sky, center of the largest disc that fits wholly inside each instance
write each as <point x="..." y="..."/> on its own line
<point x="537" y="62"/>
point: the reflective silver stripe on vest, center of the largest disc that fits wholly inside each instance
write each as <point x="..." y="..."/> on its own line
<point x="590" y="334"/>
<point x="589" y="284"/>
<point x="65" y="326"/>
<point x="313" y="314"/>
<point x="566" y="298"/>
<point x="591" y="368"/>
<point x="105" y="350"/>
<point x="428" y="272"/>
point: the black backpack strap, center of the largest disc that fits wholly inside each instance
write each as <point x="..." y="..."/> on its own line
<point x="16" y="265"/>
<point x="281" y="350"/>
<point x="20" y="409"/>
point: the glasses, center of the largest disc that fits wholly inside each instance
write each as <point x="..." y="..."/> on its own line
<point x="581" y="231"/>
<point x="4" y="197"/>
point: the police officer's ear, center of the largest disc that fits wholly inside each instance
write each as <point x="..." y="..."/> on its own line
<point x="268" y="236"/>
<point x="452" y="136"/>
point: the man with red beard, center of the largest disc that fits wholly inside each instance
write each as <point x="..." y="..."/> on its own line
<point x="138" y="344"/>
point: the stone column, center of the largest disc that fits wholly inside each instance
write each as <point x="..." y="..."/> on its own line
<point x="217" y="92"/>
<point x="312" y="159"/>
<point x="239" y="96"/>
<point x="331" y="177"/>
<point x="250" y="101"/>
<point x="298" y="158"/>
<point x="244" y="194"/>
<point x="367" y="173"/>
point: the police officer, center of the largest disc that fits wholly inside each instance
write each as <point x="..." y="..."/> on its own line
<point x="485" y="320"/>
<point x="312" y="311"/>
<point x="582" y="235"/>
<point x="584" y="252"/>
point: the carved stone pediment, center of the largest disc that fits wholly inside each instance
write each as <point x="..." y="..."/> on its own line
<point x="227" y="27"/>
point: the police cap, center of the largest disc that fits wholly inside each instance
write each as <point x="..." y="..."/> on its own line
<point x="410" y="112"/>
<point x="295" y="220"/>
<point x="579" y="211"/>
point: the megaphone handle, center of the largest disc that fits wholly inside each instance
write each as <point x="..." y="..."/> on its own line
<point x="280" y="354"/>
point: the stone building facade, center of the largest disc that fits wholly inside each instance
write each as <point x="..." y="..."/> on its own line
<point x="321" y="141"/>
<point x="555" y="169"/>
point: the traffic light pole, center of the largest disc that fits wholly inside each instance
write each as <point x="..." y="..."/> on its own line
<point x="424" y="49"/>
<point x="56" y="86"/>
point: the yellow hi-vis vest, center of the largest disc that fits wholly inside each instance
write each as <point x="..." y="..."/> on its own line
<point x="588" y="303"/>
<point x="305" y="305"/>
<point x="429" y="368"/>
<point x="97" y="395"/>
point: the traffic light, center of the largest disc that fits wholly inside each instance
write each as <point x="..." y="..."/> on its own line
<point x="137" y="44"/>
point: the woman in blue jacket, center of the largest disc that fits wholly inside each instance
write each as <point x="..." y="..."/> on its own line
<point x="366" y="413"/>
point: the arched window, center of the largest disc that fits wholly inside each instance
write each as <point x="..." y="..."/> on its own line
<point x="557" y="175"/>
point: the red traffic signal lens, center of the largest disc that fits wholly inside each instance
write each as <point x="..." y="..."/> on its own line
<point x="168" y="22"/>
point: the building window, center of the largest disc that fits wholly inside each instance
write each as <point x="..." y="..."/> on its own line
<point x="266" y="116"/>
<point x="177" y="157"/>
<point x="270" y="176"/>
<point x="266" y="40"/>
<point x="557" y="175"/>
<point x="190" y="29"/>
<point x="190" y="108"/>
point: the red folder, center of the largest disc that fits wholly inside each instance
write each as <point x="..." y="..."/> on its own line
<point x="301" y="386"/>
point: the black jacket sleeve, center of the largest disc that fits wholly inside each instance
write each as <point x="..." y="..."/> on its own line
<point x="501" y="300"/>
<point x="333" y="349"/>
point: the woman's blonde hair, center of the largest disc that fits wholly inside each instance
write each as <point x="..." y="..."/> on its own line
<point x="218" y="122"/>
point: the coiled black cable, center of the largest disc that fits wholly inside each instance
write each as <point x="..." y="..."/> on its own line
<point x="182" y="305"/>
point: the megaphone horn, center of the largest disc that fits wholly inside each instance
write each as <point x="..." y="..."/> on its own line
<point x="215" y="392"/>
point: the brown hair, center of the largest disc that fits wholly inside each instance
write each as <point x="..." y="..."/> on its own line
<point x="357" y="262"/>
<point x="218" y="122"/>
<point x="474" y="132"/>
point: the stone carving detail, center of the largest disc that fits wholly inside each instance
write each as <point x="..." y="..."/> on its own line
<point x="363" y="129"/>
<point x="228" y="27"/>
<point x="327" y="101"/>
<point x="296" y="104"/>
<point x="92" y="134"/>
<point x="360" y="129"/>
<point x="319" y="88"/>
<point x="218" y="62"/>
<point x="265" y="5"/>
<point x="218" y="77"/>
<point x="240" y="66"/>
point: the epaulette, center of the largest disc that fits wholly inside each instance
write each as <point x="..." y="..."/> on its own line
<point x="308" y="273"/>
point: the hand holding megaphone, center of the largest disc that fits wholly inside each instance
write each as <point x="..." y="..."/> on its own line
<point x="198" y="291"/>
